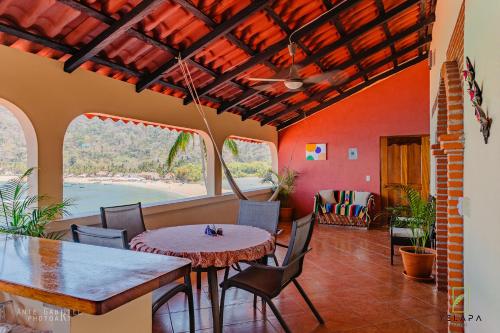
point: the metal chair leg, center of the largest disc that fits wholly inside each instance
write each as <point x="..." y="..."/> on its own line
<point x="198" y="279"/>
<point x="254" y="301"/>
<point x="189" y="294"/>
<point x="392" y="253"/>
<point x="221" y="312"/>
<point x="275" y="260"/>
<point x="308" y="301"/>
<point x="278" y="316"/>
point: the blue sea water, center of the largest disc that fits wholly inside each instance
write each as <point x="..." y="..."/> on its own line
<point x="88" y="198"/>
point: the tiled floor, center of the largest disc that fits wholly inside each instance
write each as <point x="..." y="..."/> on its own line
<point x="348" y="277"/>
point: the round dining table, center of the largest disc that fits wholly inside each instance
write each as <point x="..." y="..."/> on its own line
<point x="208" y="253"/>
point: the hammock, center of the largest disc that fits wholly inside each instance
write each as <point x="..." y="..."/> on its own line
<point x="194" y="94"/>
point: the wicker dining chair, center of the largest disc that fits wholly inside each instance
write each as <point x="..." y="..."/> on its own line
<point x="116" y="238"/>
<point x="267" y="282"/>
<point x="128" y="217"/>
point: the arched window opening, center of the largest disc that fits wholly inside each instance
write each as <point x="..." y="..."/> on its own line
<point x="249" y="161"/>
<point x="112" y="161"/>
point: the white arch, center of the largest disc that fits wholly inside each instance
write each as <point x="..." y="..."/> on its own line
<point x="274" y="155"/>
<point x="31" y="141"/>
<point x="210" y="162"/>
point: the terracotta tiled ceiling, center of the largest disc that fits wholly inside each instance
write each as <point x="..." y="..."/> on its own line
<point x="225" y="42"/>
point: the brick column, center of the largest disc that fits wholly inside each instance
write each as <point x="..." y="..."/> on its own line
<point x="452" y="144"/>
<point x="441" y="193"/>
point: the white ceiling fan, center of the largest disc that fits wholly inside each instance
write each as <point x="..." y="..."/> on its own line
<point x="292" y="79"/>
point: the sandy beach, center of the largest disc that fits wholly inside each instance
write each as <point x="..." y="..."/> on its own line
<point x="171" y="187"/>
<point x="184" y="189"/>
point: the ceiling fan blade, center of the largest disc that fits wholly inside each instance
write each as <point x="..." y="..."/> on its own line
<point x="264" y="79"/>
<point x="304" y="87"/>
<point x="338" y="77"/>
<point x="264" y="87"/>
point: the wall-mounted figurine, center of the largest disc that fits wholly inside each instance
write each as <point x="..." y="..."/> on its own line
<point x="476" y="97"/>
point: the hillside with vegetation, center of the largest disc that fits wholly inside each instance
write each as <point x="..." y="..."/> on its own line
<point x="113" y="149"/>
<point x="13" y="152"/>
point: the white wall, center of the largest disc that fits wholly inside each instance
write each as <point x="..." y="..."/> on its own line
<point x="446" y="16"/>
<point x="482" y="169"/>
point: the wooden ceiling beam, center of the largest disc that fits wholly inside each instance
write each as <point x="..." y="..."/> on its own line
<point x="252" y="92"/>
<point x="320" y="95"/>
<point x="352" y="61"/>
<point x="361" y="31"/>
<point x="352" y="91"/>
<point x="315" y="59"/>
<point x="422" y="17"/>
<point x="111" y="33"/>
<point x="220" y="30"/>
<point x="247" y="94"/>
<point x="273" y="49"/>
<point x="341" y="30"/>
<point x="96" y="59"/>
<point x="89" y="11"/>
<point x="385" y="27"/>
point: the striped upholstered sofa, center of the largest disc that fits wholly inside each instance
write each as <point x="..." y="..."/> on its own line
<point x="347" y="208"/>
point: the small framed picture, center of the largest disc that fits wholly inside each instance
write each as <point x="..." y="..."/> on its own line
<point x="353" y="153"/>
<point x="316" y="151"/>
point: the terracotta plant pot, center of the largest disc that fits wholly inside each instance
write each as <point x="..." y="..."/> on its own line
<point x="417" y="265"/>
<point x="286" y="214"/>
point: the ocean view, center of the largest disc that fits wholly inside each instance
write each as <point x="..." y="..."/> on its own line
<point x="88" y="197"/>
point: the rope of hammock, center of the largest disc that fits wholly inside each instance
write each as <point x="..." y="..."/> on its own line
<point x="196" y="99"/>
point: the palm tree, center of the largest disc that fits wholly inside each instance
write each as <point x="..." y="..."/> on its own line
<point x="184" y="139"/>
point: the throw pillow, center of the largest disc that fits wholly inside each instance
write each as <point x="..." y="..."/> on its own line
<point x="327" y="197"/>
<point x="361" y="198"/>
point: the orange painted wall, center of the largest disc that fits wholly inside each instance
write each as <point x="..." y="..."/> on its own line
<point x="398" y="105"/>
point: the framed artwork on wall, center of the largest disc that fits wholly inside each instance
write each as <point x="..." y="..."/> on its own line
<point x="353" y="153"/>
<point x="316" y="151"/>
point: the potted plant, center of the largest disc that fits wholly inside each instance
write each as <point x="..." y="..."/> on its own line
<point x="286" y="180"/>
<point x="20" y="212"/>
<point x="419" y="215"/>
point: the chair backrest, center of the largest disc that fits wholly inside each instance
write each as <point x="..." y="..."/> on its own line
<point x="99" y="236"/>
<point x="299" y="243"/>
<point x="128" y="217"/>
<point x="260" y="214"/>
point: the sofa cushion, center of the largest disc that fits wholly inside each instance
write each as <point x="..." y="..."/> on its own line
<point x="361" y="198"/>
<point x="327" y="197"/>
<point x="405" y="232"/>
<point x="347" y="210"/>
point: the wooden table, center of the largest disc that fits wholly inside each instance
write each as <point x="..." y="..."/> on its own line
<point x="83" y="278"/>
<point x="208" y="253"/>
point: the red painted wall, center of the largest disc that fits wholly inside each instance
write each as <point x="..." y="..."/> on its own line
<point x="398" y="105"/>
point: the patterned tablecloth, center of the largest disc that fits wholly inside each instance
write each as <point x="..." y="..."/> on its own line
<point x="239" y="243"/>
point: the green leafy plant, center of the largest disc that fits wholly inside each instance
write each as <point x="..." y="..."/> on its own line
<point x="286" y="179"/>
<point x="418" y="214"/>
<point x="20" y="212"/>
<point x="181" y="144"/>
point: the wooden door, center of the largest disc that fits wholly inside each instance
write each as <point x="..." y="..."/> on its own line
<point x="404" y="161"/>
